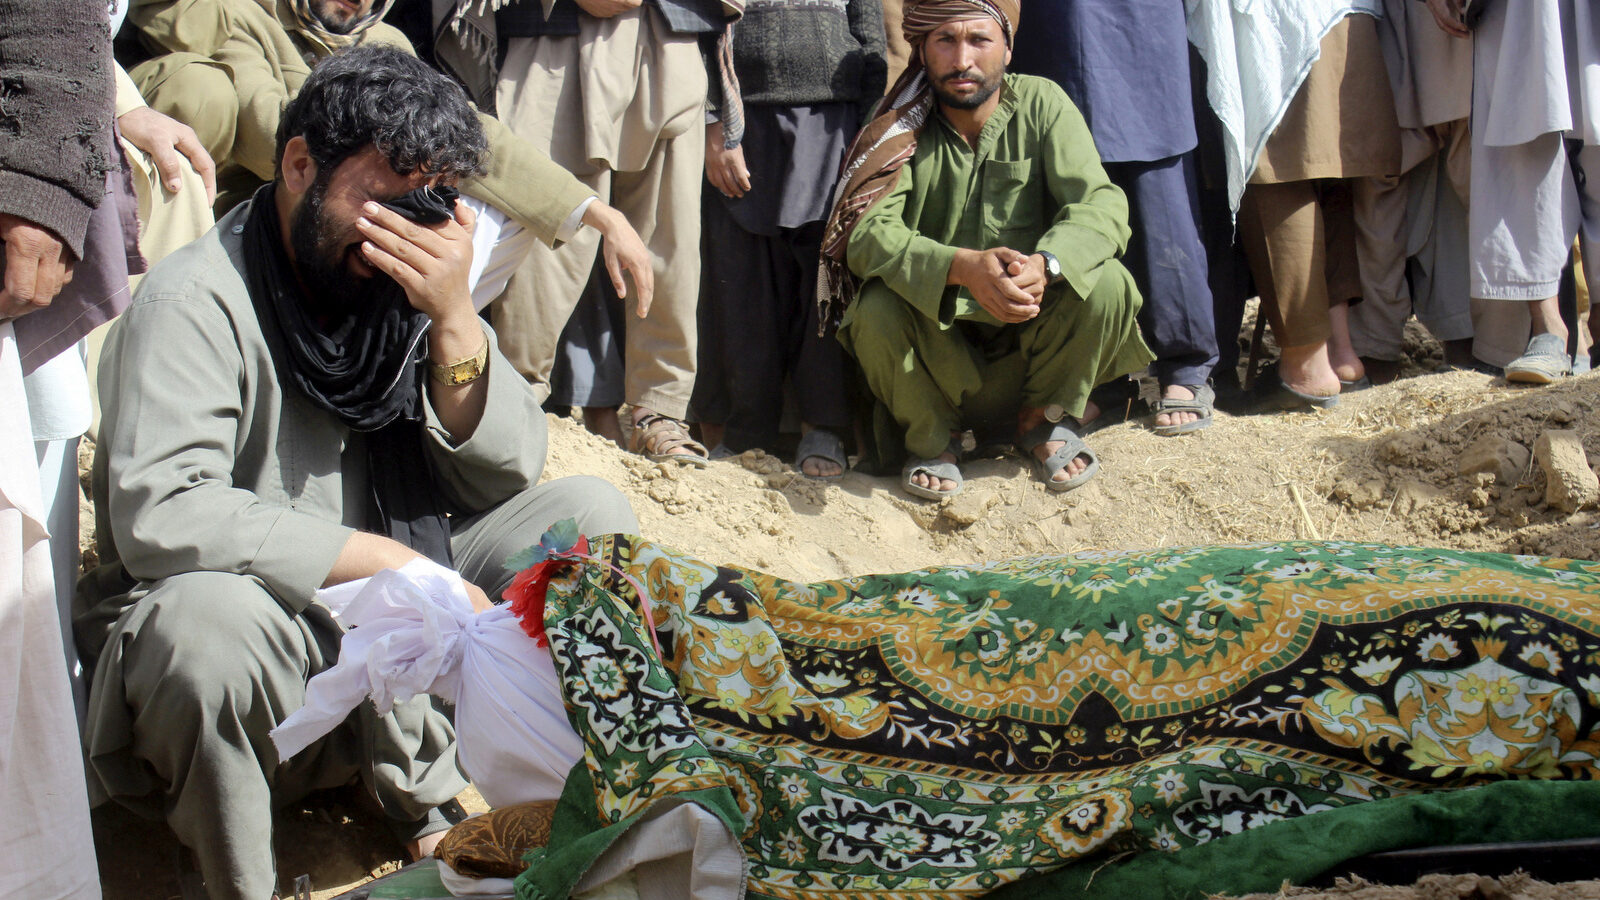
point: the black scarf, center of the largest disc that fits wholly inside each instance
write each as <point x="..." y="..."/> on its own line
<point x="366" y="368"/>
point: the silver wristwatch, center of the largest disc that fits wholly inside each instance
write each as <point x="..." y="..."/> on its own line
<point x="1052" y="268"/>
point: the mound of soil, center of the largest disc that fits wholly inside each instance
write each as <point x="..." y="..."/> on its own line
<point x="1384" y="465"/>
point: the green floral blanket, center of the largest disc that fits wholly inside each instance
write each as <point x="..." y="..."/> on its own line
<point x="951" y="731"/>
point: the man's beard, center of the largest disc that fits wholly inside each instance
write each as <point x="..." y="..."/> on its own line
<point x="332" y="20"/>
<point x="330" y="286"/>
<point x="986" y="89"/>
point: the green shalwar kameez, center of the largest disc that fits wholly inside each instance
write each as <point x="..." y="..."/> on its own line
<point x="932" y="356"/>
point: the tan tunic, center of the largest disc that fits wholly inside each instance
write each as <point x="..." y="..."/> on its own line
<point x="1342" y="122"/>
<point x="268" y="64"/>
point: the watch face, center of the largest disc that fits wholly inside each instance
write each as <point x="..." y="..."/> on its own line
<point x="468" y="372"/>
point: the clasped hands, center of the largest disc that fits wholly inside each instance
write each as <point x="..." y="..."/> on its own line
<point x="1008" y="284"/>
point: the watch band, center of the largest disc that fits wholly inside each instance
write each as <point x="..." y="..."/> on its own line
<point x="462" y="371"/>
<point x="1052" y="268"/>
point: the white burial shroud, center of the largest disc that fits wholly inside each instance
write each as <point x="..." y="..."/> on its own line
<point x="413" y="631"/>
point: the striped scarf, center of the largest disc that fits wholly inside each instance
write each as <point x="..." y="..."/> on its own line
<point x="872" y="165"/>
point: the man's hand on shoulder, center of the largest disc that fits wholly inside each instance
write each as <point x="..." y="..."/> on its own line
<point x="987" y="275"/>
<point x="169" y="142"/>
<point x="623" y="250"/>
<point x="37" y="266"/>
<point x="605" y="9"/>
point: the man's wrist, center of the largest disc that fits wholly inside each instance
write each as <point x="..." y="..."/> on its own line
<point x="1052" y="267"/>
<point x="959" y="264"/>
<point x="600" y="216"/>
<point x="450" y="340"/>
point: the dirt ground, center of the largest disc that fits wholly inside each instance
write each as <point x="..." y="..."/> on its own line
<point x="1386" y="465"/>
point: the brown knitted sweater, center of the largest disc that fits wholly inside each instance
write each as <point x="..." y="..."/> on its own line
<point x="55" y="112"/>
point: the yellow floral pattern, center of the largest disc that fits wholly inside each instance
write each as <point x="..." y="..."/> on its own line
<point x="947" y="731"/>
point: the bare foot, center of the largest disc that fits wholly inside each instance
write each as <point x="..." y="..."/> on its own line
<point x="822" y="467"/>
<point x="1306" y="368"/>
<point x="602" y="420"/>
<point x="1183" y="417"/>
<point x="423" y="847"/>
<point x="942" y="485"/>
<point x="1546" y="317"/>
<point x="1031" y="417"/>
<point x="666" y="437"/>
<point x="818" y="467"/>
<point x="1071" y="470"/>
<point x="1341" y="352"/>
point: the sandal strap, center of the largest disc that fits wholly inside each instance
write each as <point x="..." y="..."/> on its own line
<point x="1071" y="450"/>
<point x="821" y="444"/>
<point x="1047" y="431"/>
<point x="1204" y="401"/>
<point x="937" y="468"/>
<point x="660" y="435"/>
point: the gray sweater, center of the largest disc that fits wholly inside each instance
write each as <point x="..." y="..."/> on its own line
<point x="794" y="52"/>
<point x="55" y="113"/>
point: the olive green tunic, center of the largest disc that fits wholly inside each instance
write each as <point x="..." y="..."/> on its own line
<point x="1034" y="182"/>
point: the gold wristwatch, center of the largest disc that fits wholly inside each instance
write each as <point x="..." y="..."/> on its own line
<point x="462" y="371"/>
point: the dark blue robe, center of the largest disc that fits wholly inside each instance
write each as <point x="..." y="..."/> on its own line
<point x="1125" y="63"/>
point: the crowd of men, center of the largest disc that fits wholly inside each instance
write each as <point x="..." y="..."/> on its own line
<point x="898" y="222"/>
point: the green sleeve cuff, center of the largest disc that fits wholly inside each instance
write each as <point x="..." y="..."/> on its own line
<point x="1082" y="253"/>
<point x="913" y="266"/>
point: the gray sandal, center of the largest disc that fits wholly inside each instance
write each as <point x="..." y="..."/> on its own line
<point x="935" y="468"/>
<point x="1543" y="362"/>
<point x="1045" y="469"/>
<point x="825" y="445"/>
<point x="1202" y="404"/>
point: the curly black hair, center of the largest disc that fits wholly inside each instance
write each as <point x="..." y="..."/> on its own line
<point x="416" y="117"/>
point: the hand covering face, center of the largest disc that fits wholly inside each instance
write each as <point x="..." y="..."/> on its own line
<point x="364" y="366"/>
<point x="872" y="165"/>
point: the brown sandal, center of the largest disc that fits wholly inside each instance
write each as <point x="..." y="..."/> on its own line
<point x="663" y="438"/>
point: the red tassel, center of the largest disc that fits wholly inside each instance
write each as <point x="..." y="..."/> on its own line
<point x="527" y="590"/>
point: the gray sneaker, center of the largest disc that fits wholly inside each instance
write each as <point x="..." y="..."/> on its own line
<point x="1543" y="362"/>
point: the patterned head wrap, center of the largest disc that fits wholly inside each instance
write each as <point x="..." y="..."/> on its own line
<point x="923" y="16"/>
<point x="872" y="166"/>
